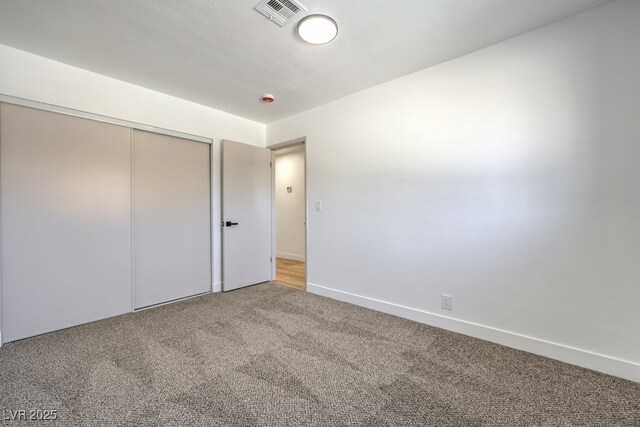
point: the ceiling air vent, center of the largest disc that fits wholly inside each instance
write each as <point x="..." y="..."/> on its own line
<point x="279" y="11"/>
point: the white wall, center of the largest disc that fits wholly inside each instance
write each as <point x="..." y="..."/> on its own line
<point x="290" y="212"/>
<point x="33" y="77"/>
<point x="506" y="178"/>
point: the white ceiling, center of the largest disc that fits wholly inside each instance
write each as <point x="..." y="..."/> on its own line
<point x="223" y="54"/>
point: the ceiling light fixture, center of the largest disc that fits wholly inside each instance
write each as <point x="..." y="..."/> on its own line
<point x="317" y="29"/>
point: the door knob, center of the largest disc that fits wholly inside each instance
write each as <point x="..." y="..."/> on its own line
<point x="229" y="223"/>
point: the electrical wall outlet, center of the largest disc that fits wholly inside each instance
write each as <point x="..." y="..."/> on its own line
<point x="446" y="302"/>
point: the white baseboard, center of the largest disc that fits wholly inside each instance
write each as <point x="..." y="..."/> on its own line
<point x="292" y="257"/>
<point x="575" y="356"/>
<point x="217" y="286"/>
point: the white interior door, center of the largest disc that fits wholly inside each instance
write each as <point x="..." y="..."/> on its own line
<point x="66" y="221"/>
<point x="171" y="218"/>
<point x="246" y="215"/>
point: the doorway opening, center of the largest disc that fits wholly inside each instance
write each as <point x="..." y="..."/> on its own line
<point x="290" y="215"/>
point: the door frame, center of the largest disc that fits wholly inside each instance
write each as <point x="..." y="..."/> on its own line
<point x="280" y="146"/>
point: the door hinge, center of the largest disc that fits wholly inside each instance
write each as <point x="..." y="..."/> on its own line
<point x="271" y="259"/>
<point x="270" y="164"/>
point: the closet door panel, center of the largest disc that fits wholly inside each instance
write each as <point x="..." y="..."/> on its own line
<point x="172" y="219"/>
<point x="66" y="221"/>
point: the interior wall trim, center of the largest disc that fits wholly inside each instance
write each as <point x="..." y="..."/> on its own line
<point x="100" y="118"/>
<point x="217" y="286"/>
<point x="292" y="257"/>
<point x="575" y="356"/>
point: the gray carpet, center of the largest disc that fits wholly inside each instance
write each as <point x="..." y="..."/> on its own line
<point x="271" y="355"/>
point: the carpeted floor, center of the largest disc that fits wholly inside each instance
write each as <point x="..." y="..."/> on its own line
<point x="271" y="355"/>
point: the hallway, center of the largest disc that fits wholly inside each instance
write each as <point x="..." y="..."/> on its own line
<point x="290" y="273"/>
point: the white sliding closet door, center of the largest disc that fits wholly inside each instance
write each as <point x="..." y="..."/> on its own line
<point x="172" y="218"/>
<point x="66" y="221"/>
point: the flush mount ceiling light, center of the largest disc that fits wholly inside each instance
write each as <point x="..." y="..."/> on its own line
<point x="317" y="29"/>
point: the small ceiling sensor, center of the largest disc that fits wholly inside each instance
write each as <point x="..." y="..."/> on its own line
<point x="317" y="29"/>
<point x="267" y="98"/>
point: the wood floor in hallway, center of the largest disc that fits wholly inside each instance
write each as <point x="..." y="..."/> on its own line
<point x="290" y="273"/>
